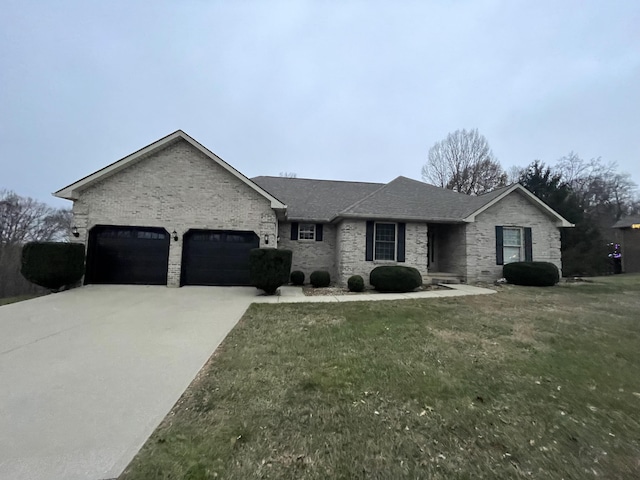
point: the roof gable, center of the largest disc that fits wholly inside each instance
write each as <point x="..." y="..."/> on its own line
<point x="71" y="192"/>
<point x="483" y="202"/>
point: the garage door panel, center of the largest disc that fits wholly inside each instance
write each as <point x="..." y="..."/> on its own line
<point x="217" y="257"/>
<point x="128" y="255"/>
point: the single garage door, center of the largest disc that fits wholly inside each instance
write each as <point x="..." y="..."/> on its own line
<point x="128" y="255"/>
<point x="217" y="257"/>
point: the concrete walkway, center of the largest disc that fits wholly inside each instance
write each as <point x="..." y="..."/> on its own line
<point x="295" y="295"/>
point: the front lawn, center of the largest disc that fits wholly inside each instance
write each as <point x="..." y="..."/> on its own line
<point x="528" y="383"/>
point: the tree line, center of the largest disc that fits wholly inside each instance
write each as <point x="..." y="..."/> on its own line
<point x="23" y="220"/>
<point x="592" y="194"/>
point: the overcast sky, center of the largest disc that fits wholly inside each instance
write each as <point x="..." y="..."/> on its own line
<point x="347" y="90"/>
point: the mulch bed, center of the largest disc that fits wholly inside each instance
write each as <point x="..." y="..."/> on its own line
<point x="310" y="291"/>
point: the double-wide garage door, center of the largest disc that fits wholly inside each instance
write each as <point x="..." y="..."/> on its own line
<point x="140" y="255"/>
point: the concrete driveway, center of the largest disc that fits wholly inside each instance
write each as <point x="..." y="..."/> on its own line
<point x="87" y="375"/>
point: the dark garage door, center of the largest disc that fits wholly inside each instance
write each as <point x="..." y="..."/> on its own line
<point x="217" y="257"/>
<point x="128" y="255"/>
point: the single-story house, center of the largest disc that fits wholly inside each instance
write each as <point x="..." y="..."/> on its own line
<point x="175" y="213"/>
<point x="628" y="236"/>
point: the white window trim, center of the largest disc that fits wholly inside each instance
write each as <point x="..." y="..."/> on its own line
<point x="395" y="243"/>
<point x="313" y="232"/>
<point x="521" y="246"/>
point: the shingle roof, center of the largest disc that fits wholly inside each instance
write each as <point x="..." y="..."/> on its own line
<point x="402" y="198"/>
<point x="318" y="200"/>
<point x="626" y="222"/>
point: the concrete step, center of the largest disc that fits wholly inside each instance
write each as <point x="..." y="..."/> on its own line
<point x="436" y="278"/>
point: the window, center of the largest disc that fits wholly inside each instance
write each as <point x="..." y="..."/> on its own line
<point x="512" y="244"/>
<point x="385" y="241"/>
<point x="307" y="231"/>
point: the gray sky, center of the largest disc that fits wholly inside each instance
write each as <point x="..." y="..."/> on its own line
<point x="348" y="90"/>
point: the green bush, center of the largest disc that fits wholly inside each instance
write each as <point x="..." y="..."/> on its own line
<point x="53" y="265"/>
<point x="297" y="277"/>
<point x="355" y="283"/>
<point x="536" y="274"/>
<point x="320" y="278"/>
<point x="395" y="278"/>
<point x="269" y="268"/>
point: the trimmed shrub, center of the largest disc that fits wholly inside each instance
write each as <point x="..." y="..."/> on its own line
<point x="53" y="265"/>
<point x="395" y="278"/>
<point x="269" y="268"/>
<point x="534" y="274"/>
<point x="297" y="277"/>
<point x="320" y="279"/>
<point x="355" y="283"/>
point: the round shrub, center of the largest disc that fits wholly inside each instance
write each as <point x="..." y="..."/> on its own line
<point x="297" y="277"/>
<point x="269" y="268"/>
<point x="53" y="265"/>
<point x="534" y="274"/>
<point x="320" y="278"/>
<point x="355" y="283"/>
<point x="395" y="278"/>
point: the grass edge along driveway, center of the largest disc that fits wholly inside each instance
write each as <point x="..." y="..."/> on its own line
<point x="528" y="383"/>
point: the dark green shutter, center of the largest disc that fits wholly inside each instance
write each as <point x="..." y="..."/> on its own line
<point x="402" y="227"/>
<point x="499" y="245"/>
<point x="528" y="245"/>
<point x="318" y="232"/>
<point x="294" y="230"/>
<point x="368" y="256"/>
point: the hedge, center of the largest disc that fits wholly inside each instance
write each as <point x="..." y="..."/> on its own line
<point x="269" y="268"/>
<point x="395" y="278"/>
<point x="355" y="283"/>
<point x="53" y="265"/>
<point x="535" y="274"/>
<point x="297" y="277"/>
<point x="320" y="279"/>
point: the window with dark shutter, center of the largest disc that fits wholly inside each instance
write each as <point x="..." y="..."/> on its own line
<point x="528" y="245"/>
<point x="294" y="230"/>
<point x="319" y="232"/>
<point x="402" y="227"/>
<point x="368" y="256"/>
<point x="499" y="246"/>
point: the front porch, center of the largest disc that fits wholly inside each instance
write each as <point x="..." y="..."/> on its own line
<point x="447" y="251"/>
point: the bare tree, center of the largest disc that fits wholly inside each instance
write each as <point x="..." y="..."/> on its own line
<point x="464" y="162"/>
<point x="514" y="173"/>
<point x="288" y="174"/>
<point x="603" y="191"/>
<point x="23" y="220"/>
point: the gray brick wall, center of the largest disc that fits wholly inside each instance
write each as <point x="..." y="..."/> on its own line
<point x="351" y="241"/>
<point x="516" y="211"/>
<point x="450" y="249"/>
<point x="177" y="188"/>
<point x="310" y="255"/>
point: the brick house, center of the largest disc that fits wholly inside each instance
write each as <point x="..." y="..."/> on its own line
<point x="175" y="213"/>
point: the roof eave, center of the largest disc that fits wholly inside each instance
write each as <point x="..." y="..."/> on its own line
<point x="408" y="218"/>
